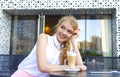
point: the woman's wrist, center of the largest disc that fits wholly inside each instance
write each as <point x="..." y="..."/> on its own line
<point x="74" y="45"/>
<point x="73" y="42"/>
<point x="81" y="67"/>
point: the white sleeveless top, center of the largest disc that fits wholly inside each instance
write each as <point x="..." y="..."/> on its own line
<point x="29" y="64"/>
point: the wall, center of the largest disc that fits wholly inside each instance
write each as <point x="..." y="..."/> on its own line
<point x="5" y="29"/>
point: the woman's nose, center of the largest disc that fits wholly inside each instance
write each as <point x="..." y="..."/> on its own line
<point x="65" y="32"/>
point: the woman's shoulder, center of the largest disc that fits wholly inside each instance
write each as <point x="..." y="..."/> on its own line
<point x="43" y="35"/>
<point x="44" y="38"/>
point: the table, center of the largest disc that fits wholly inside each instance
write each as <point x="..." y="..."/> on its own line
<point x="83" y="74"/>
<point x="65" y="74"/>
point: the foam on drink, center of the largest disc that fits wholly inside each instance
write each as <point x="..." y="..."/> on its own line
<point x="71" y="53"/>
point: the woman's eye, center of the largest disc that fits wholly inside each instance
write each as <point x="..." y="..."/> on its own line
<point x="62" y="27"/>
<point x="70" y="32"/>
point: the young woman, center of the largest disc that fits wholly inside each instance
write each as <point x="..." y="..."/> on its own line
<point x="49" y="53"/>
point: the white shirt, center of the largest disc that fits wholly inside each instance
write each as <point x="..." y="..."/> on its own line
<point x="29" y="64"/>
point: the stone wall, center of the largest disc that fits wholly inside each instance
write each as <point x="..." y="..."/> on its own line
<point x="5" y="30"/>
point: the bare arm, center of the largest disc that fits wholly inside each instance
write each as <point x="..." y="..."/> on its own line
<point x="79" y="61"/>
<point x="78" y="56"/>
<point x="41" y="56"/>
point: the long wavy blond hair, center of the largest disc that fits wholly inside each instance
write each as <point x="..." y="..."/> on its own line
<point x="66" y="47"/>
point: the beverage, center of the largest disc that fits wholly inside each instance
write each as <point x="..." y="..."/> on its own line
<point x="71" y="57"/>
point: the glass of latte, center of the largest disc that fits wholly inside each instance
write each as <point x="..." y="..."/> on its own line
<point x="71" y="57"/>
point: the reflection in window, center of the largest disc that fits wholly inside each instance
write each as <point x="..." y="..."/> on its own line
<point x="93" y="39"/>
<point x="106" y="36"/>
<point x="95" y="36"/>
<point x="24" y="31"/>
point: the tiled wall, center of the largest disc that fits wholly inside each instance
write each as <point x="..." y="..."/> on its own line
<point x="5" y="18"/>
<point x="5" y="28"/>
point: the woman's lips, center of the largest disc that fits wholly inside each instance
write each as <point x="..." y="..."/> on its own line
<point x="62" y="36"/>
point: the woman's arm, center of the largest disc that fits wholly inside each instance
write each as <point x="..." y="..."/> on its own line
<point x="79" y="61"/>
<point x="78" y="56"/>
<point x="41" y="56"/>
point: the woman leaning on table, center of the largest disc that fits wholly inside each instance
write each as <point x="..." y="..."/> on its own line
<point x="49" y="53"/>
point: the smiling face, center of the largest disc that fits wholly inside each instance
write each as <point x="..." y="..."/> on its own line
<point x="64" y="31"/>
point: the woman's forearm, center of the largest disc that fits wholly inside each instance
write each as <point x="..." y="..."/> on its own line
<point x="78" y="55"/>
<point x="52" y="67"/>
<point x="79" y="61"/>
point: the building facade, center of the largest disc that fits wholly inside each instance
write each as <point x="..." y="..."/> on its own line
<point x="10" y="8"/>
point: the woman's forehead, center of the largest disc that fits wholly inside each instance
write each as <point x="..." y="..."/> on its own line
<point x="68" y="25"/>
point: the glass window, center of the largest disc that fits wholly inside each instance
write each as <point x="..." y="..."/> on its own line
<point x="95" y="34"/>
<point x="50" y="22"/>
<point x="93" y="37"/>
<point x="24" y="34"/>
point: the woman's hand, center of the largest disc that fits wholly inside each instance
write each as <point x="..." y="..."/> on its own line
<point x="81" y="67"/>
<point x="75" y="34"/>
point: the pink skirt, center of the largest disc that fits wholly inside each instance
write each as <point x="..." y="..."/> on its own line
<point x="21" y="73"/>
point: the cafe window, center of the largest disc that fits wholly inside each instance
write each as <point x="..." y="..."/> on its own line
<point x="95" y="33"/>
<point x="95" y="36"/>
<point x="23" y="34"/>
<point x="94" y="40"/>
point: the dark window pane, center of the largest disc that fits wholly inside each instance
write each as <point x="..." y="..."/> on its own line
<point x="24" y="33"/>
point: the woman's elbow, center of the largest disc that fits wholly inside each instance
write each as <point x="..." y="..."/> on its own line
<point x="42" y="68"/>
